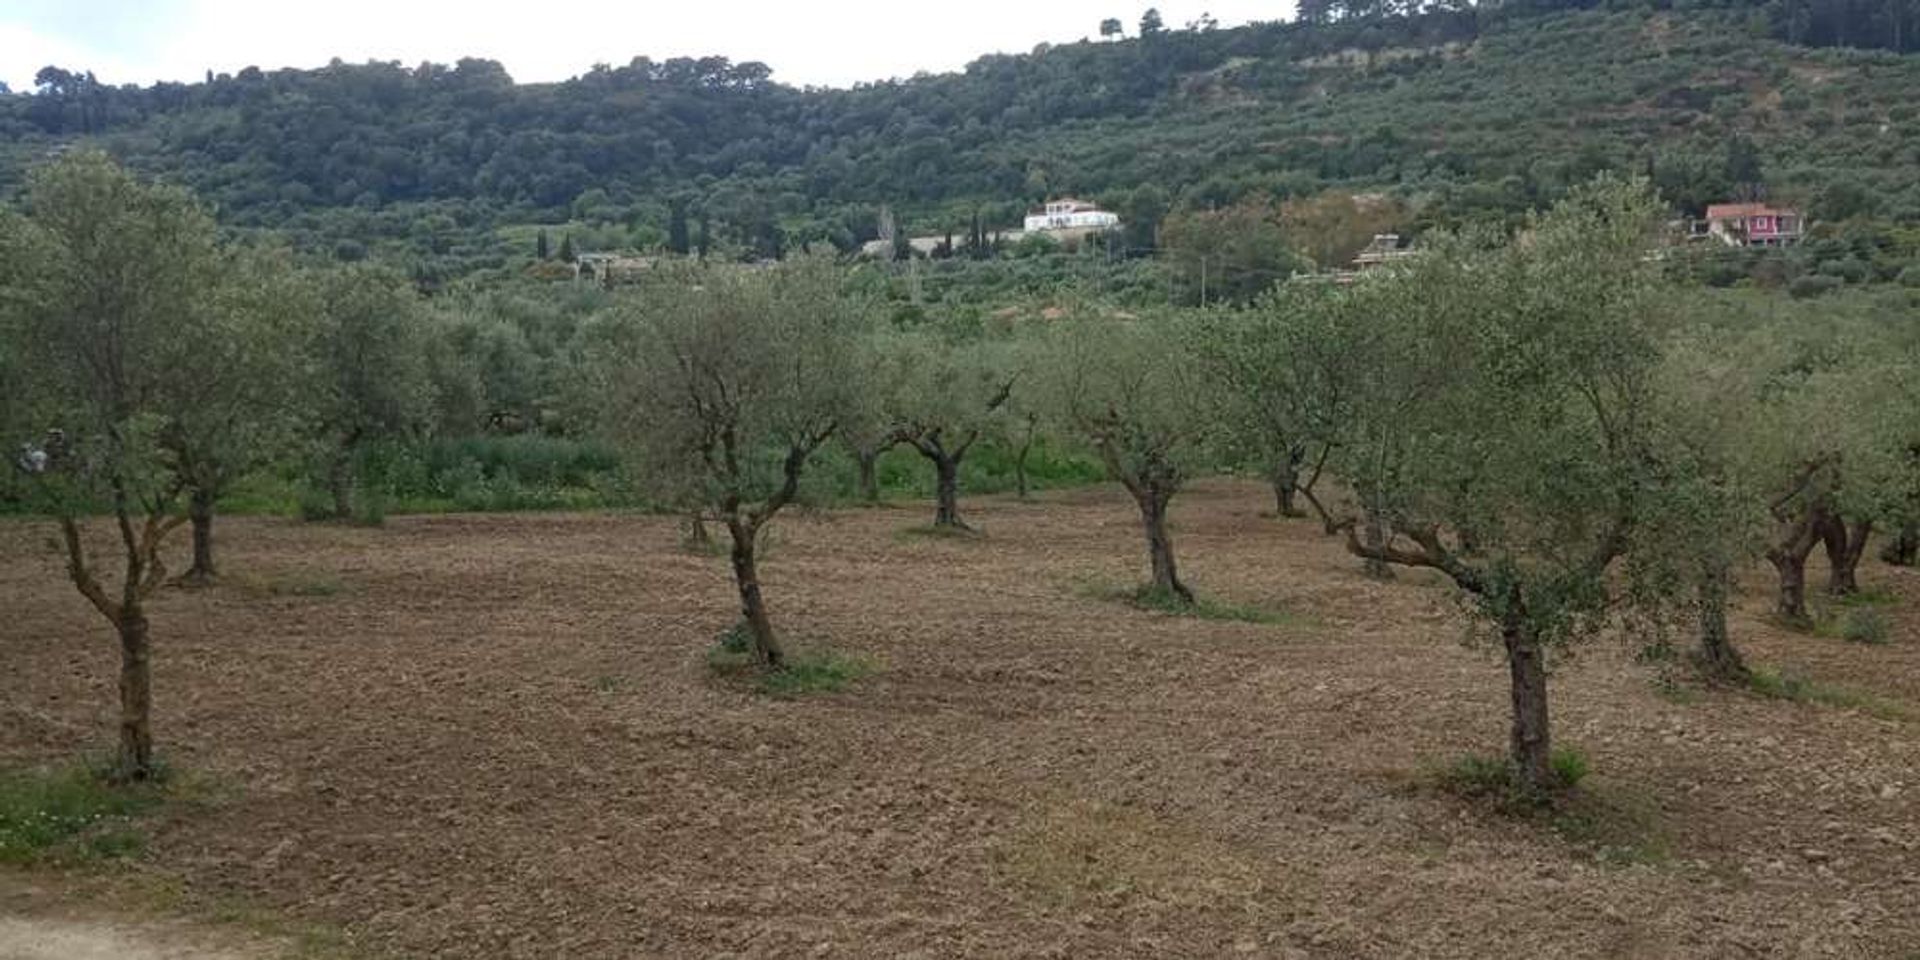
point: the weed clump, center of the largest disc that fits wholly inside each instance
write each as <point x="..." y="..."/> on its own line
<point x="71" y="813"/>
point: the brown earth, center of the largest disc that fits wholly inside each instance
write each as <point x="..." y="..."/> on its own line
<point x="497" y="736"/>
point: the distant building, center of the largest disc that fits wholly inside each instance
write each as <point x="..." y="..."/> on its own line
<point x="610" y="268"/>
<point x="1070" y="214"/>
<point x="1753" y="225"/>
<point x="1383" y="249"/>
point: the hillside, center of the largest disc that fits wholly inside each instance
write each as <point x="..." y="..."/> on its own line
<point x="1465" y="113"/>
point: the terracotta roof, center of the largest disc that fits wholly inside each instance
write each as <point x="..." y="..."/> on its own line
<point x="1728" y="211"/>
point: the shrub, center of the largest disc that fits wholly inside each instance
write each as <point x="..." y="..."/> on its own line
<point x="1808" y="287"/>
<point x="1570" y="766"/>
<point x="1864" y="625"/>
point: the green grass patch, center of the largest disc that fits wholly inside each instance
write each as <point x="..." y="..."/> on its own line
<point x="287" y="584"/>
<point x="814" y="673"/>
<point x="820" y="672"/>
<point x="1786" y="685"/>
<point x="71" y="813"/>
<point x="1868" y="597"/>
<point x="1480" y="776"/>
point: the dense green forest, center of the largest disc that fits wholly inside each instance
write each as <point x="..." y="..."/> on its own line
<point x="1463" y="113"/>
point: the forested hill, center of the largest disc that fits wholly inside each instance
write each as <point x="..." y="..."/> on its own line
<point x="1464" y="112"/>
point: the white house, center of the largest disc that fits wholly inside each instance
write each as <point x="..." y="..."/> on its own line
<point x="1070" y="214"/>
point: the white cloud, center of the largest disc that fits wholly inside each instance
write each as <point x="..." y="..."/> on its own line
<point x="833" y="42"/>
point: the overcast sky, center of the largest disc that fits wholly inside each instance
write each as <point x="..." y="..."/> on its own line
<point x="821" y="42"/>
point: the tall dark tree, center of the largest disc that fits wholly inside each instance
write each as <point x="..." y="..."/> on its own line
<point x="677" y="234"/>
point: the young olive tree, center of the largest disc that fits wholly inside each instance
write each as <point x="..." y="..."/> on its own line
<point x="371" y="382"/>
<point x="1131" y="388"/>
<point x="1520" y="473"/>
<point x="723" y="383"/>
<point x="104" y="291"/>
<point x="868" y="427"/>
<point x="1279" y="376"/>
<point x="948" y="396"/>
<point x="1707" y="516"/>
<point x="247" y="376"/>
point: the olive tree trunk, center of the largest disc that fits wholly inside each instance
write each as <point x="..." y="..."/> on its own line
<point x="1286" y="484"/>
<point x="200" y="512"/>
<point x="1845" y="544"/>
<point x="1020" y="457"/>
<point x="340" y="483"/>
<point x="946" y="492"/>
<point x="1153" y="503"/>
<point x="1903" y="549"/>
<point x="1789" y="558"/>
<point x="946" y="470"/>
<point x="753" y="607"/>
<point x="1718" y="658"/>
<point x="135" y="761"/>
<point x="1376" y="529"/>
<point x="869" y="462"/>
<point x="1531" y="744"/>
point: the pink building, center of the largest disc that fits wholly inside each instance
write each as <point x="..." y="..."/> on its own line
<point x="1754" y="225"/>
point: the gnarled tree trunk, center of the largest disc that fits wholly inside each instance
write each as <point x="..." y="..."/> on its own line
<point x="1789" y="558"/>
<point x="753" y="608"/>
<point x="1153" y="503"/>
<point x="200" y="511"/>
<point x="1286" y="483"/>
<point x="1845" y="544"/>
<point x="946" y="469"/>
<point x="1718" y="659"/>
<point x="1531" y="743"/>
<point x="1376" y="538"/>
<point x="946" y="492"/>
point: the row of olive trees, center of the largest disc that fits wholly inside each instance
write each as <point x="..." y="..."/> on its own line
<point x="1536" y="418"/>
<point x="145" y="367"/>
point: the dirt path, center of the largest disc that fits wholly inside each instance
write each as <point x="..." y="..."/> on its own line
<point x="36" y="939"/>
<point x="498" y="736"/>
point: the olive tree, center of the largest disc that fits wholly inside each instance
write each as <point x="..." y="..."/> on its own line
<point x="370" y="374"/>
<point x="1521" y="471"/>
<point x="868" y="426"/>
<point x="724" y="383"/>
<point x="103" y="288"/>
<point x="1131" y="388"/>
<point x="948" y="395"/>
<point x="248" y="375"/>
<point x="1828" y="443"/>
<point x="1279" y="376"/>
<point x="1708" y="516"/>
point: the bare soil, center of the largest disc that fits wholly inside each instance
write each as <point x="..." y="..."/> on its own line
<point x="498" y="736"/>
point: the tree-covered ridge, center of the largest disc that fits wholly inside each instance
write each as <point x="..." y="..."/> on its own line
<point x="1468" y="112"/>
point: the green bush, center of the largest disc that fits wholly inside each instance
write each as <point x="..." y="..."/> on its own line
<point x="1864" y="625"/>
<point x="1808" y="287"/>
